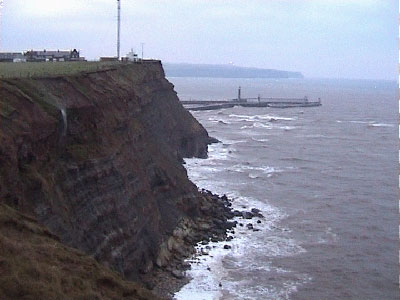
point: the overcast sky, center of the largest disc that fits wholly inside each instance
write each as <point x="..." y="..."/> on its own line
<point x="320" y="38"/>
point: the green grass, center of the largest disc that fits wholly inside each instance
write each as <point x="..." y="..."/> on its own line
<point x="52" y="69"/>
<point x="31" y="92"/>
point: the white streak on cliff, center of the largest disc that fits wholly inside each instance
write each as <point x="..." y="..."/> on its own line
<point x="64" y="116"/>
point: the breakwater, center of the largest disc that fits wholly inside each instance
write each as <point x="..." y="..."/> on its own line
<point x="197" y="105"/>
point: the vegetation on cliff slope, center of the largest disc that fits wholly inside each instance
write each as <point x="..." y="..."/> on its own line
<point x="35" y="265"/>
<point x="95" y="158"/>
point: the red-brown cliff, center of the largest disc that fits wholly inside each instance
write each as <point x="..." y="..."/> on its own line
<point x="95" y="158"/>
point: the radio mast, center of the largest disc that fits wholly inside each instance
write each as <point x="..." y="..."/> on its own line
<point x="119" y="30"/>
<point x="1" y="6"/>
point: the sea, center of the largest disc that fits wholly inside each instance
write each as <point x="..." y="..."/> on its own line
<point x="325" y="178"/>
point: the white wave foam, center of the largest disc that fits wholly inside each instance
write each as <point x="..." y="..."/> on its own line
<point x="204" y="285"/>
<point x="218" y="152"/>
<point x="287" y="128"/>
<point x="260" y="140"/>
<point x="227" y="266"/>
<point x="256" y="125"/>
<point x="261" y="125"/>
<point x="380" y="125"/>
<point x="251" y="118"/>
<point x="238" y="260"/>
<point x="264" y="170"/>
<point x="353" y="121"/>
<point x="247" y="291"/>
<point x="370" y="123"/>
<point x="219" y="121"/>
<point x="233" y="142"/>
<point x="279" y="246"/>
<point x="269" y="117"/>
<point x="241" y="116"/>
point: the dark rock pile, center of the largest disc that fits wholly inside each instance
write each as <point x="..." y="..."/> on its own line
<point x="213" y="225"/>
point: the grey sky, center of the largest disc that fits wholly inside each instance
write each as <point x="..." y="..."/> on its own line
<point x="320" y="38"/>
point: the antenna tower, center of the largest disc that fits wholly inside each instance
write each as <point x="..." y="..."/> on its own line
<point x="119" y="30"/>
<point x="1" y="7"/>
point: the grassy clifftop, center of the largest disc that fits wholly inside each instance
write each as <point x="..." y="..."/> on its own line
<point x="48" y="69"/>
<point x="53" y="69"/>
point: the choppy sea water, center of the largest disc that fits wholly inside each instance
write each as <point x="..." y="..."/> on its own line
<point x="325" y="178"/>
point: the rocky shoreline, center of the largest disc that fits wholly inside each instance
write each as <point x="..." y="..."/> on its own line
<point x="216" y="224"/>
<point x="96" y="159"/>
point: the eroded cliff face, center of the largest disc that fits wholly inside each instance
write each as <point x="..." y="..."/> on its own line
<point x="35" y="265"/>
<point x="94" y="158"/>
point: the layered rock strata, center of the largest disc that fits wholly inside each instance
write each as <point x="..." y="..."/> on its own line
<point x="94" y="157"/>
<point x="35" y="265"/>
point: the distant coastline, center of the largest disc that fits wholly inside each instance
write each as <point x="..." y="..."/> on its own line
<point x="224" y="71"/>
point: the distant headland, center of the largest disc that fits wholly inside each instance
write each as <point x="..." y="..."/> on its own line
<point x="224" y="71"/>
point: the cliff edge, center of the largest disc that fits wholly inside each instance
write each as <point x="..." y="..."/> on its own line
<point x="94" y="158"/>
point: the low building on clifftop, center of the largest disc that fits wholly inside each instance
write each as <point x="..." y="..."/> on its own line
<point x="53" y="55"/>
<point x="12" y="57"/>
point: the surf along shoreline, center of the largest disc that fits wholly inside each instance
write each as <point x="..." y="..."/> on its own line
<point x="215" y="225"/>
